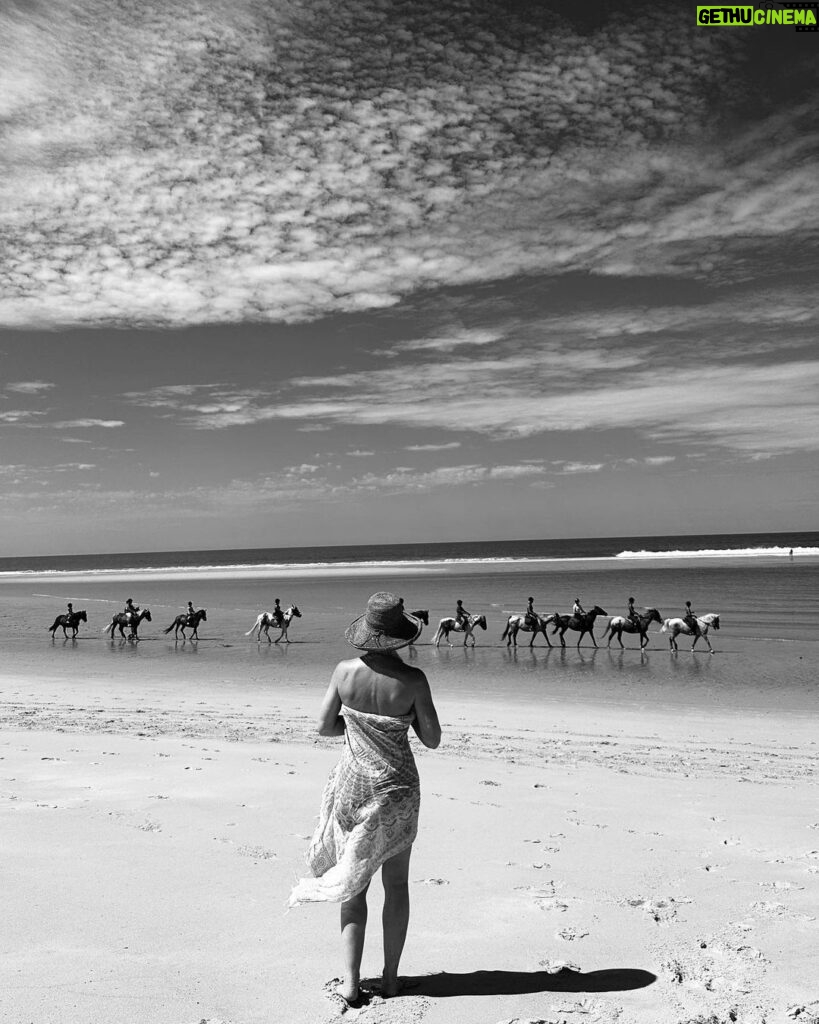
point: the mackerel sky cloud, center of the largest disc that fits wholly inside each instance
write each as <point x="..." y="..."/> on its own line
<point x="429" y="248"/>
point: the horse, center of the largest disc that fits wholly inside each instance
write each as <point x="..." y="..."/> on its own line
<point x="69" y="621"/>
<point x="677" y="626"/>
<point x="582" y="623"/>
<point x="123" y="619"/>
<point x="423" y="615"/>
<point x="187" y="621"/>
<point x="523" y="623"/>
<point x="620" y="624"/>
<point x="449" y="625"/>
<point x="264" y="620"/>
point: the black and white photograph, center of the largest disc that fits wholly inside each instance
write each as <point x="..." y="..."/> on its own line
<point x="409" y="550"/>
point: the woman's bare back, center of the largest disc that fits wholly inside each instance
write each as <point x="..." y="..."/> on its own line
<point x="381" y="684"/>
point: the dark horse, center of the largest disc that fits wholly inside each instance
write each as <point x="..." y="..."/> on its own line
<point x="582" y="623"/>
<point x="620" y="624"/>
<point x="67" y="621"/>
<point x="423" y="616"/>
<point x="187" y="621"/>
<point x="123" y="619"/>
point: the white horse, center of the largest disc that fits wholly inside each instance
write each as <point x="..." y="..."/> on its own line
<point x="522" y="624"/>
<point x="677" y="626"/>
<point x="449" y="625"/>
<point x="619" y="624"/>
<point x="265" y="620"/>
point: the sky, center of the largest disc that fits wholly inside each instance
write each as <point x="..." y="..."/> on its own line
<point x="283" y="273"/>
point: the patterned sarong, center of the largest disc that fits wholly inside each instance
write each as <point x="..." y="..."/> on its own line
<point x="369" y="810"/>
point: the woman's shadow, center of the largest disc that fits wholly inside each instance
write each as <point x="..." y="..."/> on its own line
<point x="509" y="983"/>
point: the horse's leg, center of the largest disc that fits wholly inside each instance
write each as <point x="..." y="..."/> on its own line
<point x="563" y="636"/>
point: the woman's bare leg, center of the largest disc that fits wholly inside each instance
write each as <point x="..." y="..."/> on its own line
<point x="353" y="926"/>
<point x="394" y="875"/>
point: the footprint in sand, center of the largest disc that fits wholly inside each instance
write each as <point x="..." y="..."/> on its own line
<point x="663" y="911"/>
<point x="805" y="1013"/>
<point x="570" y="934"/>
<point x="556" y="966"/>
<point x="255" y="852"/>
<point x="717" y="966"/>
<point x="432" y="881"/>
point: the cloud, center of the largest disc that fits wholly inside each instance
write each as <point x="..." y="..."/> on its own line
<point x="185" y="164"/>
<point x="581" y="467"/>
<point x="90" y="422"/>
<point x="445" y="446"/>
<point x="29" y="387"/>
<point x="20" y="417"/>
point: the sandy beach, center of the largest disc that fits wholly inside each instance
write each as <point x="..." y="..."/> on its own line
<point x="576" y="861"/>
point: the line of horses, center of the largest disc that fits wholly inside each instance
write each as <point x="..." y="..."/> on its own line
<point x="582" y="624"/>
<point x="534" y="624"/>
<point x="131" y="621"/>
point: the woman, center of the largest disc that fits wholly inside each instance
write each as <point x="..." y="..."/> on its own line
<point x="369" y="811"/>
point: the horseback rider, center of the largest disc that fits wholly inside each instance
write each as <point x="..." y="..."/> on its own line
<point x="631" y="614"/>
<point x="131" y="610"/>
<point x="690" y="619"/>
<point x="461" y="615"/>
<point x="577" y="607"/>
<point x="70" y="609"/>
<point x="530" y="618"/>
<point x="278" y="614"/>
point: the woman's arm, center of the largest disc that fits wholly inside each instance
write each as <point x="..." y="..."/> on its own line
<point x="426" y="725"/>
<point x="330" y="722"/>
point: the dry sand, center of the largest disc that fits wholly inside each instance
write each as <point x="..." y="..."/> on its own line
<point x="667" y="862"/>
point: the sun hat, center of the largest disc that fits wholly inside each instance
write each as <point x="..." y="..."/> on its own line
<point x="385" y="626"/>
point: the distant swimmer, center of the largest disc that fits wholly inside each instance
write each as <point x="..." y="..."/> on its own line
<point x="790" y="554"/>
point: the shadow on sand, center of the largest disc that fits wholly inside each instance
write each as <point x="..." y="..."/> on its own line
<point x="507" y="983"/>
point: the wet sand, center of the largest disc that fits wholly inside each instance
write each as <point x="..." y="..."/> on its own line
<point x="577" y="860"/>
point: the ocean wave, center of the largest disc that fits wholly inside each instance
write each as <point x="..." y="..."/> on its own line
<point x="771" y="552"/>
<point x="380" y="567"/>
<point x="426" y="565"/>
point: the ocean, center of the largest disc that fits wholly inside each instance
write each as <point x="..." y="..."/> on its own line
<point x="766" y="650"/>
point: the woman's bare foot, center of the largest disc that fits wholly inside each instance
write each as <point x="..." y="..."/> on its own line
<point x="348" y="990"/>
<point x="390" y="985"/>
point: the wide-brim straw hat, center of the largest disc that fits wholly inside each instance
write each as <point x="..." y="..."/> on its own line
<point x="385" y="626"/>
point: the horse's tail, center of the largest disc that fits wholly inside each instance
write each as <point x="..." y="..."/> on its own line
<point x="606" y="630"/>
<point x="56" y="623"/>
<point x="255" y="625"/>
<point x="169" y="628"/>
<point x="109" y="626"/>
<point x="506" y="632"/>
<point x="665" y="627"/>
